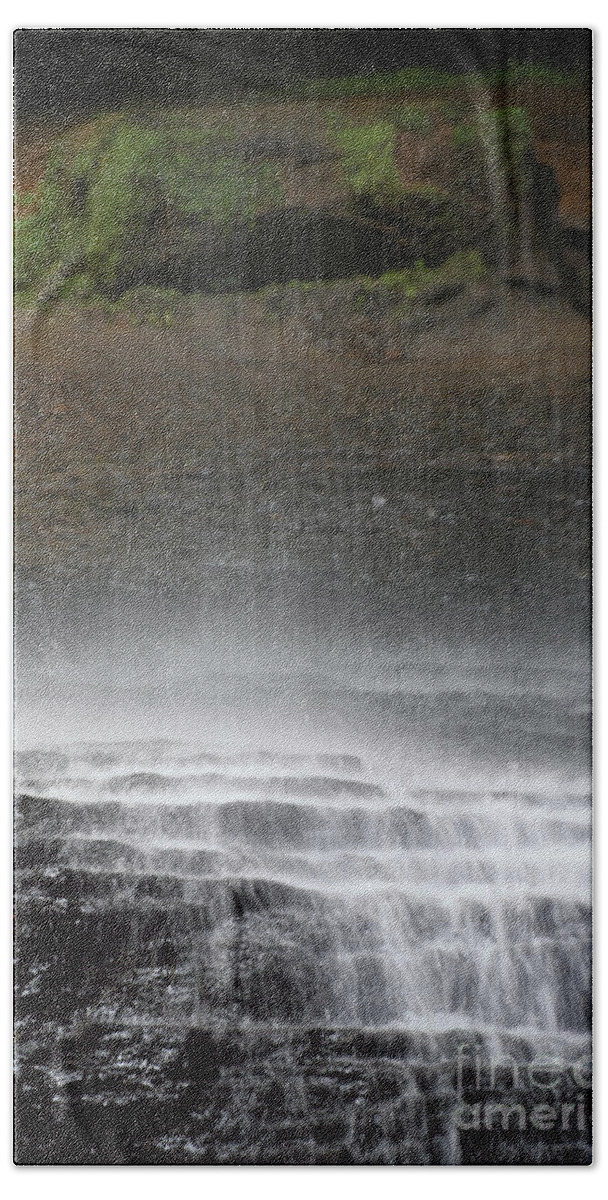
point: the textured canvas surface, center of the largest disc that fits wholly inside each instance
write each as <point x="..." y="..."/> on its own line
<point x="302" y="365"/>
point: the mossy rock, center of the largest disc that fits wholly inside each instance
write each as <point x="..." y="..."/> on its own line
<point x="375" y="296"/>
<point x="133" y="181"/>
<point x="184" y="201"/>
<point x="484" y="159"/>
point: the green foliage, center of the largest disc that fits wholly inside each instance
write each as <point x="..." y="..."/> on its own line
<point x="502" y="135"/>
<point x="464" y="267"/>
<point x="513" y="122"/>
<point x="97" y="200"/>
<point x="396" y="288"/>
<point x="52" y="229"/>
<point x="159" y="307"/>
<point x="414" y="118"/>
<point x="425" y="191"/>
<point x="44" y="232"/>
<point x="369" y="161"/>
<point x="501" y="128"/>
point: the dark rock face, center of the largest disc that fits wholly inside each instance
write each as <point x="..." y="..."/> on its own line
<point x="302" y="243"/>
<point x="280" y="246"/>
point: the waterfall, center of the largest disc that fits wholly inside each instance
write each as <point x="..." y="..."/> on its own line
<point x="186" y="903"/>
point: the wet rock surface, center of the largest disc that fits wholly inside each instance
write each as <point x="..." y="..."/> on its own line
<point x="317" y="976"/>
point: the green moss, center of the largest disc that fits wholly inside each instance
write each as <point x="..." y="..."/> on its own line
<point x="25" y="298"/>
<point x="464" y="267"/>
<point x="164" y="307"/>
<point x="498" y="125"/>
<point x="396" y="288"/>
<point x="369" y="161"/>
<point x="44" y="234"/>
<point x="98" y="200"/>
<point x="79" y="287"/>
<point x="414" y="118"/>
<point x="160" y="307"/>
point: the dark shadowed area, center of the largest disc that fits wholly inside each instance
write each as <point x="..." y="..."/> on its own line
<point x="63" y="71"/>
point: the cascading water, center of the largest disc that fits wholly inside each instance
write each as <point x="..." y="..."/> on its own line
<point x="261" y="954"/>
